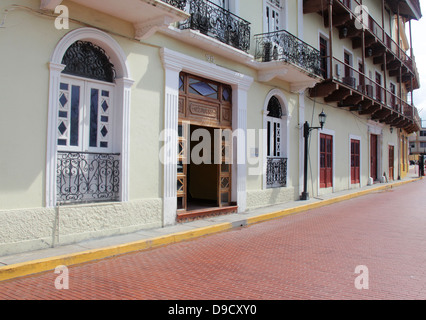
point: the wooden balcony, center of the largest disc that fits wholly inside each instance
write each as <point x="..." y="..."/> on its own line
<point x="378" y="45"/>
<point x="410" y="9"/>
<point x="352" y="89"/>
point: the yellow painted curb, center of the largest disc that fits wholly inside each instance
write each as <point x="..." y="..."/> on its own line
<point x="306" y="207"/>
<point x="41" y="265"/>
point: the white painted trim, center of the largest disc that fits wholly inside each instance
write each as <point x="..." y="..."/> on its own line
<point x="122" y="94"/>
<point x="333" y="134"/>
<point x="285" y="120"/>
<point x="173" y="63"/>
<point x="377" y="129"/>
<point x="355" y="137"/>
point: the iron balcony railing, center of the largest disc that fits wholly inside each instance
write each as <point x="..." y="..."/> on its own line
<point x="283" y="46"/>
<point x="218" y="23"/>
<point x="376" y="29"/>
<point x="180" y="4"/>
<point x="363" y="84"/>
<point x="87" y="177"/>
<point x="276" y="172"/>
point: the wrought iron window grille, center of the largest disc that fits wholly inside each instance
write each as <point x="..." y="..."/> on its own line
<point x="87" y="177"/>
<point x="85" y="59"/>
<point x="276" y="172"/>
<point x="180" y="4"/>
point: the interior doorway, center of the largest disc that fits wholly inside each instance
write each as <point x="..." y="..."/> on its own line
<point x="204" y="147"/>
<point x="202" y="177"/>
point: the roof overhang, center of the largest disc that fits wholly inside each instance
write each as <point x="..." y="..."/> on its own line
<point x="147" y="16"/>
<point x="409" y="9"/>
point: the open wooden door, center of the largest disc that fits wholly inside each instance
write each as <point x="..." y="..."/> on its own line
<point x="224" y="168"/>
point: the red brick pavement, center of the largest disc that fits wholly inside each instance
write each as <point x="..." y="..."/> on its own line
<point x="310" y="255"/>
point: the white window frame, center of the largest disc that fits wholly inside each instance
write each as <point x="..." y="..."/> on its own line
<point x="122" y="101"/>
<point x="84" y="115"/>
<point x="284" y="123"/>
<point x="283" y="15"/>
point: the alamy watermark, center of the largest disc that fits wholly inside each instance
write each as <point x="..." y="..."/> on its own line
<point x="62" y="281"/>
<point x="361" y="17"/>
<point x="362" y="280"/>
<point x="62" y="21"/>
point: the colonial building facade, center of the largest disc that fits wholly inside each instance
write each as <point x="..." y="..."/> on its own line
<point x="127" y="115"/>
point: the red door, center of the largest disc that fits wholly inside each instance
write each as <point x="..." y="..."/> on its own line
<point x="355" y="161"/>
<point x="326" y="161"/>
<point x="373" y="156"/>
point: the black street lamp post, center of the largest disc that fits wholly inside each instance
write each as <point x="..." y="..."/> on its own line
<point x="306" y="131"/>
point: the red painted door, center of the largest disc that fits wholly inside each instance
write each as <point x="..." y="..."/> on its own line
<point x="373" y="156"/>
<point x="355" y="161"/>
<point x="326" y="161"/>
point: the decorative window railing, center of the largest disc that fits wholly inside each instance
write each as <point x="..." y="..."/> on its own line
<point x="283" y="46"/>
<point x="218" y="23"/>
<point x="180" y="4"/>
<point x="276" y="172"/>
<point x="87" y="177"/>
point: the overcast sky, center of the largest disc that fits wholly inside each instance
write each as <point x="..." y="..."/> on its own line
<point x="418" y="31"/>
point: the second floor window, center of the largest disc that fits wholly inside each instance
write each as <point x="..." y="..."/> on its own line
<point x="222" y="3"/>
<point x="273" y="16"/>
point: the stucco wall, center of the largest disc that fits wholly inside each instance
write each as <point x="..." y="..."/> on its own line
<point x="37" y="228"/>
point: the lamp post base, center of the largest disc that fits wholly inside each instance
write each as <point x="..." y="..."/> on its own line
<point x="304" y="196"/>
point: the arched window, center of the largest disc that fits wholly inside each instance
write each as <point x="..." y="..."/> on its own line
<point x="88" y="138"/>
<point x="88" y="60"/>
<point x="275" y="124"/>
<point x="85" y="108"/>
<point x="274" y="127"/>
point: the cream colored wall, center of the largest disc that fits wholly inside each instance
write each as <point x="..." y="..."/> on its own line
<point x="28" y="41"/>
<point x="23" y="171"/>
<point x="24" y="101"/>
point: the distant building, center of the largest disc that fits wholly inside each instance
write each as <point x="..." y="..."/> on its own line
<point x="417" y="142"/>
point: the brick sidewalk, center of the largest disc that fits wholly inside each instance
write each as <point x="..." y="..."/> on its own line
<point x="309" y="255"/>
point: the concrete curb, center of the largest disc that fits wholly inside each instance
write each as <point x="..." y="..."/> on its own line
<point x="41" y="265"/>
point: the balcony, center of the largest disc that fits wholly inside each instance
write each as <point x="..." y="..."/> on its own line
<point x="378" y="44"/>
<point x="283" y="46"/>
<point x="281" y="55"/>
<point x="410" y="9"/>
<point x="351" y="88"/>
<point x="147" y="16"/>
<point x="87" y="177"/>
<point x="217" y="23"/>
